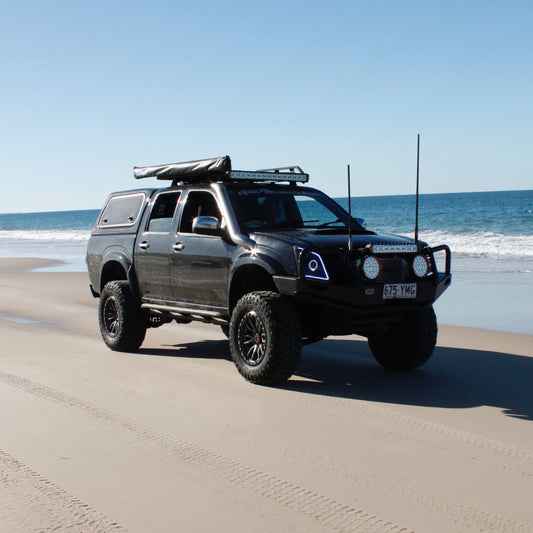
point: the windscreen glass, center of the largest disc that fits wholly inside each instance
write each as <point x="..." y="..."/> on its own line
<point x="286" y="209"/>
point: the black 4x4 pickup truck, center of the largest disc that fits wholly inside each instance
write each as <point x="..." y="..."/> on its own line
<point x="275" y="263"/>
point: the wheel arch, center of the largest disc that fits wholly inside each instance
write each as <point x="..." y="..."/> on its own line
<point x="249" y="277"/>
<point x="114" y="268"/>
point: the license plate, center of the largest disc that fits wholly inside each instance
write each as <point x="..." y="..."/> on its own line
<point x="399" y="290"/>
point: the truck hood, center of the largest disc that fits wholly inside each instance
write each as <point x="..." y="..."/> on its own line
<point x="325" y="241"/>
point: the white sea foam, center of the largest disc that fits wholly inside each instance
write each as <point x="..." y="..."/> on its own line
<point x="482" y="243"/>
<point x="44" y="235"/>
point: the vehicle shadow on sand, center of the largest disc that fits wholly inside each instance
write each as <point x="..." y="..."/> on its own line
<point x="208" y="349"/>
<point x="454" y="378"/>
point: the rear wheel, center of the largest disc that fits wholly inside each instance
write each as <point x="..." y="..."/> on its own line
<point x="406" y="344"/>
<point x="265" y="337"/>
<point x="122" y="323"/>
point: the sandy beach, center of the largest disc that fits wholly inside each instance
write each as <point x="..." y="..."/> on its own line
<point x="172" y="438"/>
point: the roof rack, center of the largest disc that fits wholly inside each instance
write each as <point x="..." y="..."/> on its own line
<point x="218" y="169"/>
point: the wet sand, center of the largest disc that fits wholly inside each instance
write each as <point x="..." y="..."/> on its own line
<point x="172" y="439"/>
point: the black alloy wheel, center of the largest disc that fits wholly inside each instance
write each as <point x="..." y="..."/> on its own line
<point x="122" y="323"/>
<point x="111" y="317"/>
<point x="265" y="337"/>
<point x="252" y="338"/>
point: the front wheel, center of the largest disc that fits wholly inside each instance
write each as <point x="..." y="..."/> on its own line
<point x="265" y="337"/>
<point x="406" y="344"/>
<point x="121" y="320"/>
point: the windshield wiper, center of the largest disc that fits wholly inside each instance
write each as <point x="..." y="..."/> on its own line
<point x="330" y="223"/>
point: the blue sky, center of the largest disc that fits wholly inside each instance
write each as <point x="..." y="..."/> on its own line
<point x="90" y="89"/>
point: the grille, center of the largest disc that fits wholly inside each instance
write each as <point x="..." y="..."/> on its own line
<point x="393" y="269"/>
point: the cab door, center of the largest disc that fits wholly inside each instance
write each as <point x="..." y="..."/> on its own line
<point x="199" y="264"/>
<point x="153" y="248"/>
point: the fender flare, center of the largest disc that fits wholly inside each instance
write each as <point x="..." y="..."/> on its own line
<point x="267" y="263"/>
<point x="118" y="256"/>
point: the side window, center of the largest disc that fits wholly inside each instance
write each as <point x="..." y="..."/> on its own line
<point x="199" y="204"/>
<point x="163" y="212"/>
<point x="121" y="210"/>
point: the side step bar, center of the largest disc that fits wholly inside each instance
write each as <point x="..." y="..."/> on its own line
<point x="187" y="314"/>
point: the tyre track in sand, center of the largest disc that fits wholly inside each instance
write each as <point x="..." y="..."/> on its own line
<point x="328" y="512"/>
<point x="471" y="440"/>
<point x="47" y="507"/>
<point x="449" y="510"/>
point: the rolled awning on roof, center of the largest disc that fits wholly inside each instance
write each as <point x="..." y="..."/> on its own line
<point x="187" y="169"/>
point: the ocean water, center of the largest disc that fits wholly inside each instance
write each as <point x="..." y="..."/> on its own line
<point x="59" y="235"/>
<point x="490" y="235"/>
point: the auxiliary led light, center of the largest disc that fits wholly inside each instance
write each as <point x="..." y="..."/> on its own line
<point x="394" y="248"/>
<point x="420" y="266"/>
<point x="245" y="175"/>
<point x="371" y="267"/>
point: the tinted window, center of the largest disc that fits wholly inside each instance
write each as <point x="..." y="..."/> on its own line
<point x="122" y="210"/>
<point x="286" y="208"/>
<point x="163" y="212"/>
<point x="199" y="204"/>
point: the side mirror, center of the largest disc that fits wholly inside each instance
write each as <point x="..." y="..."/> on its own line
<point x="206" y="226"/>
<point x="361" y="222"/>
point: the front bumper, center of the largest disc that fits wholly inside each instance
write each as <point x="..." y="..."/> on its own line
<point x="364" y="298"/>
<point x="360" y="299"/>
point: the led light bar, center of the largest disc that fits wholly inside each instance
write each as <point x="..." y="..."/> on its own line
<point x="394" y="248"/>
<point x="246" y="175"/>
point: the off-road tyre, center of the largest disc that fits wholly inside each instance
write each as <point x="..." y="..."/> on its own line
<point x="122" y="323"/>
<point x="406" y="344"/>
<point x="265" y="337"/>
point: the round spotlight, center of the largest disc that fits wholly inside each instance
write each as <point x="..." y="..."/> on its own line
<point x="420" y="266"/>
<point x="371" y="267"/>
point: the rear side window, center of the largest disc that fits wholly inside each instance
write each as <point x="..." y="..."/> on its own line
<point x="122" y="210"/>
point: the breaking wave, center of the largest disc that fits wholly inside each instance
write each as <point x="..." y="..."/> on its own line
<point x="482" y="243"/>
<point x="45" y="235"/>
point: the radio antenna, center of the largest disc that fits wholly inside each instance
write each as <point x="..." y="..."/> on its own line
<point x="350" y="213"/>
<point x="417" y="186"/>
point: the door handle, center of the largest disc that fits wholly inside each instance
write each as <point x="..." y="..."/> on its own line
<point x="144" y="245"/>
<point x="178" y="247"/>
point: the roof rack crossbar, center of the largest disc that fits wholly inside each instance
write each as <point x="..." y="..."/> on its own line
<point x="294" y="169"/>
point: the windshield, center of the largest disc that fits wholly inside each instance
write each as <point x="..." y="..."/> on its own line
<point x="287" y="209"/>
